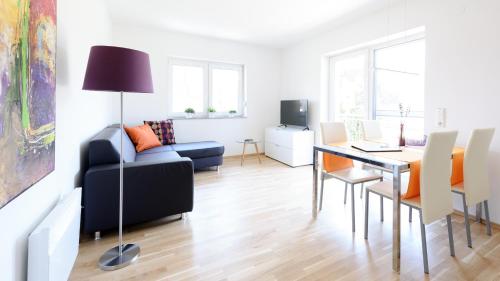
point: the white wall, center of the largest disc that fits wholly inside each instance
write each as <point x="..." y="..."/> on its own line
<point x="79" y="115"/>
<point x="262" y="67"/>
<point x="462" y="65"/>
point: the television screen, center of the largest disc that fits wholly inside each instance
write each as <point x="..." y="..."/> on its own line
<point x="294" y="112"/>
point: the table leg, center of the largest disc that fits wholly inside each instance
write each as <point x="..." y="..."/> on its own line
<point x="396" y="219"/>
<point x="315" y="184"/>
<point x="243" y="154"/>
<point x="257" y="150"/>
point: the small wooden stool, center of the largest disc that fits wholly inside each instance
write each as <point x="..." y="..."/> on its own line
<point x="249" y="141"/>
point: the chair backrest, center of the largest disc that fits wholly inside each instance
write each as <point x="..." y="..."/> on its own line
<point x="333" y="132"/>
<point x="476" y="180"/>
<point x="371" y="130"/>
<point x="435" y="174"/>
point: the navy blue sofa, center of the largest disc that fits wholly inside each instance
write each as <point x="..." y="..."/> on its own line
<point x="157" y="182"/>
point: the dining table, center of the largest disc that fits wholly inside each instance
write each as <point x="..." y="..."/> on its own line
<point x="395" y="162"/>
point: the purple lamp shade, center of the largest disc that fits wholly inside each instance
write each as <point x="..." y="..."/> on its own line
<point x="116" y="69"/>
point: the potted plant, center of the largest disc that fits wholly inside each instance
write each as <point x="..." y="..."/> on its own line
<point x="232" y="113"/>
<point x="211" y="112"/>
<point x="189" y="112"/>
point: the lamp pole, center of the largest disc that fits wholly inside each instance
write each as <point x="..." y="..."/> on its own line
<point x="120" y="224"/>
<point x="121" y="255"/>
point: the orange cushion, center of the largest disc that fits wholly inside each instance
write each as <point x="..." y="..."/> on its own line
<point x="143" y="137"/>
<point x="414" y="182"/>
<point x="457" y="173"/>
<point x="332" y="163"/>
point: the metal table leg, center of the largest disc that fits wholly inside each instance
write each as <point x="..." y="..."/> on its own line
<point x="396" y="219"/>
<point x="315" y="184"/>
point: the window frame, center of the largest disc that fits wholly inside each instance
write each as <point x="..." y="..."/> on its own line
<point x="207" y="67"/>
<point x="373" y="49"/>
<point x="333" y="59"/>
<point x="241" y="88"/>
<point x="369" y="50"/>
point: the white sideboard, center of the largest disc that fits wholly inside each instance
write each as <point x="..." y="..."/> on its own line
<point x="291" y="146"/>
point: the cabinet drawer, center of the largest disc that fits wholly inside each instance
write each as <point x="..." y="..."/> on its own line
<point x="279" y="136"/>
<point x="280" y="153"/>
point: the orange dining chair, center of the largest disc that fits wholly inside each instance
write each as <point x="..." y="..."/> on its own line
<point x="335" y="132"/>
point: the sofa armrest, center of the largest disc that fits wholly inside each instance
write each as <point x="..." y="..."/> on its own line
<point x="151" y="190"/>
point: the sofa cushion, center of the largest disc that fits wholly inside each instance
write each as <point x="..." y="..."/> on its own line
<point x="157" y="149"/>
<point x="143" y="137"/>
<point x="201" y="149"/>
<point x="164" y="130"/>
<point x="104" y="148"/>
<point x="160" y="156"/>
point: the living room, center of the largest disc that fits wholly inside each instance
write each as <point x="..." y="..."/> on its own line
<point x="217" y="193"/>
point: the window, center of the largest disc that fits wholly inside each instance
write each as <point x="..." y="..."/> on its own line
<point x="200" y="85"/>
<point x="349" y="84"/>
<point x="399" y="78"/>
<point x="372" y="82"/>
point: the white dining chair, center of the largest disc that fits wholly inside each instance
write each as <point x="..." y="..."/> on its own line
<point x="335" y="132"/>
<point x="373" y="133"/>
<point x="371" y="130"/>
<point x="435" y="200"/>
<point x="476" y="186"/>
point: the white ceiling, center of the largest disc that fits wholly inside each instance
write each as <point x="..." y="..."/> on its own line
<point x="273" y="23"/>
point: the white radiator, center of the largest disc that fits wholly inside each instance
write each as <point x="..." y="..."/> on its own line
<point x="53" y="245"/>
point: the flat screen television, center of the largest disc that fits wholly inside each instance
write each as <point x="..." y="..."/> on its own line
<point x="294" y="112"/>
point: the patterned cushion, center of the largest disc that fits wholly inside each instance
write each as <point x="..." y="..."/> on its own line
<point x="164" y="130"/>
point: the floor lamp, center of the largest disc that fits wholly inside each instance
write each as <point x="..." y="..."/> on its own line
<point x="115" y="69"/>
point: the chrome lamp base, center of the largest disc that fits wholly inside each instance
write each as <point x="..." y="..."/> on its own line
<point x="111" y="260"/>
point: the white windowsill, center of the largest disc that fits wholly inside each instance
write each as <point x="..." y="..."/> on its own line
<point x="205" y="117"/>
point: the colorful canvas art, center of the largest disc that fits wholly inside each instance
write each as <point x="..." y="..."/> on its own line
<point x="27" y="94"/>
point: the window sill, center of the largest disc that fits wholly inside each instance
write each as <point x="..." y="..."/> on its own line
<point x="205" y="117"/>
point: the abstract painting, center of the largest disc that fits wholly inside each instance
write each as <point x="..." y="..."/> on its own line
<point x="27" y="94"/>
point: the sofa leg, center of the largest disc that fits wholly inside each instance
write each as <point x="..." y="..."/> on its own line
<point x="182" y="216"/>
<point x="97" y="235"/>
<point x="218" y="168"/>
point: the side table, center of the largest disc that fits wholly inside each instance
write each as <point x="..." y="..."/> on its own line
<point x="249" y="142"/>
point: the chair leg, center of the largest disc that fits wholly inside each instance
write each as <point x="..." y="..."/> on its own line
<point x="345" y="194"/>
<point x="450" y="235"/>
<point x="467" y="224"/>
<point x="381" y="208"/>
<point x="97" y="235"/>
<point x="487" y="214"/>
<point x="361" y="192"/>
<point x="353" y="215"/>
<point x="321" y="191"/>
<point x="424" y="244"/>
<point x="367" y="202"/>
<point x="410" y="214"/>
<point x="479" y="212"/>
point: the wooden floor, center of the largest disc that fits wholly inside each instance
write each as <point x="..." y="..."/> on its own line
<point x="254" y="223"/>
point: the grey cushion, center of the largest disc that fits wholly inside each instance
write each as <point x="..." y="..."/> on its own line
<point x="104" y="148"/>
<point x="160" y="156"/>
<point x="200" y="149"/>
<point x="157" y="149"/>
